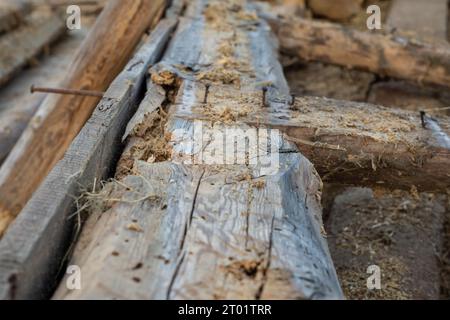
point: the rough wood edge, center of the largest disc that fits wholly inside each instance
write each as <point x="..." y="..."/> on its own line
<point x="32" y="249"/>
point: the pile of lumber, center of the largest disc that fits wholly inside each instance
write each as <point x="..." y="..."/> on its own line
<point x="176" y="221"/>
<point x="60" y="118"/>
<point x="24" y="33"/>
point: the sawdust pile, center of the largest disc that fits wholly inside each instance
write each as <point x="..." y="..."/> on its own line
<point x="150" y="143"/>
<point x="227" y="68"/>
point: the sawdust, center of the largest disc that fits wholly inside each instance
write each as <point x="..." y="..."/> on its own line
<point x="244" y="268"/>
<point x="395" y="230"/>
<point x="260" y="184"/>
<point x="220" y="74"/>
<point x="134" y="227"/>
<point x="151" y="143"/>
<point x="164" y="77"/>
<point x="224" y="115"/>
<point x="227" y="68"/>
<point x="354" y="282"/>
<point x="378" y="123"/>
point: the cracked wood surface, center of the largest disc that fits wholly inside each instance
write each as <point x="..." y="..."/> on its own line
<point x="351" y="141"/>
<point x="17" y="104"/>
<point x="176" y="229"/>
<point x="33" y="249"/>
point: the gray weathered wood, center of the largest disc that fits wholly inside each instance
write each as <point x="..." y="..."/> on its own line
<point x="21" y="45"/>
<point x="33" y="248"/>
<point x="18" y="104"/>
<point x="354" y="142"/>
<point x="201" y="231"/>
<point x="12" y="13"/>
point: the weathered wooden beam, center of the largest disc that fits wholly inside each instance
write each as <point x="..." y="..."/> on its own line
<point x="353" y="142"/>
<point x="179" y="228"/>
<point x="425" y="20"/>
<point x="103" y="54"/>
<point x="19" y="46"/>
<point x="12" y="13"/>
<point x="34" y="247"/>
<point x="390" y="55"/>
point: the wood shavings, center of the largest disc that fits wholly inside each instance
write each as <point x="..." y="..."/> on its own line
<point x="134" y="227"/>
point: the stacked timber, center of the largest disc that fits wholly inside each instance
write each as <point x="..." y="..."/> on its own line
<point x="184" y="228"/>
<point x="215" y="192"/>
<point x="35" y="33"/>
<point x="59" y="119"/>
<point x="35" y="245"/>
<point x="384" y="54"/>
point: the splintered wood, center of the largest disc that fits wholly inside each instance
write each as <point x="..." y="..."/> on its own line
<point x="180" y="222"/>
<point x="354" y="142"/>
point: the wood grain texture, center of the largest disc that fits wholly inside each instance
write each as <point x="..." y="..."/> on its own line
<point x="390" y="55"/>
<point x="353" y="142"/>
<point x="39" y="30"/>
<point x="191" y="230"/>
<point x="33" y="248"/>
<point x="101" y="57"/>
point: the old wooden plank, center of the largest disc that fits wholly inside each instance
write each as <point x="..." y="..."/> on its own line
<point x="181" y="228"/>
<point x="60" y="117"/>
<point x="18" y="104"/>
<point x="40" y="29"/>
<point x="350" y="141"/>
<point x="32" y="249"/>
<point x="384" y="54"/>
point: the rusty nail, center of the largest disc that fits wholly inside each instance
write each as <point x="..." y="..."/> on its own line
<point x="264" y="94"/>
<point x="422" y="118"/>
<point x="292" y="100"/>
<point x="90" y="93"/>
<point x="205" y="99"/>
